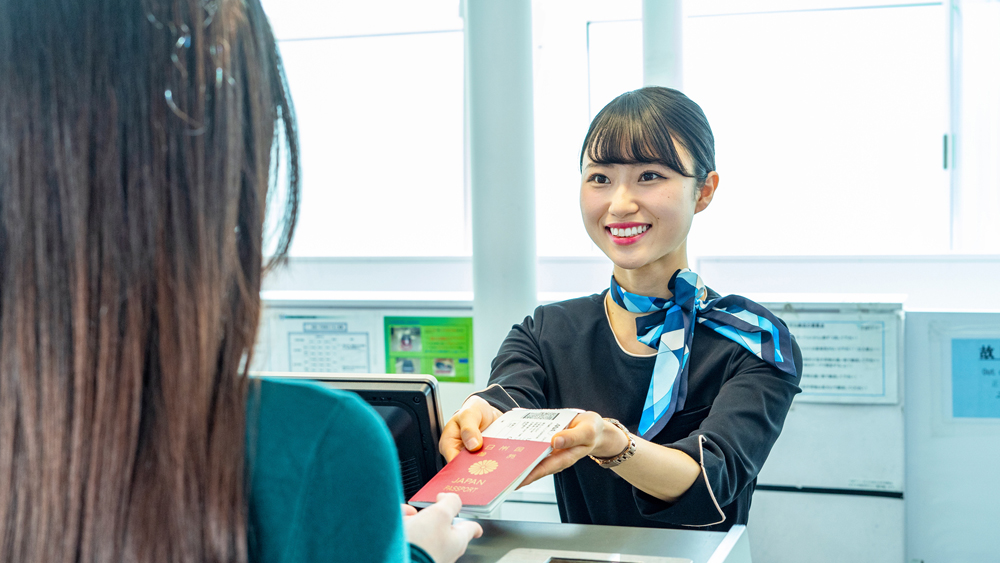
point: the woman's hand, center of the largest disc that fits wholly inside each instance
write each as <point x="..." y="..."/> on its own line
<point x="587" y="434"/>
<point x="433" y="529"/>
<point x="465" y="429"/>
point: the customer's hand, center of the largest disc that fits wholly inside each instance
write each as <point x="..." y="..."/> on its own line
<point x="465" y="429"/>
<point x="434" y="531"/>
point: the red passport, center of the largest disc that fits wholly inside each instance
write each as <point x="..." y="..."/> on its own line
<point x="484" y="478"/>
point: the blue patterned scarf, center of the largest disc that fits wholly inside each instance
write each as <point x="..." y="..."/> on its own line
<point x="669" y="330"/>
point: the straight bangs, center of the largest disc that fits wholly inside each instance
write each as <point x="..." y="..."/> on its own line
<point x="630" y="130"/>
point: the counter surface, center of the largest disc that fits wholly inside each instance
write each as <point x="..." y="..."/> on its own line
<point x="501" y="536"/>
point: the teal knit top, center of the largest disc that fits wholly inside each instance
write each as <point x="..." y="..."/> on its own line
<point x="324" y="479"/>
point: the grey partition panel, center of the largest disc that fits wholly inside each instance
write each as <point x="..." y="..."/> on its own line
<point x="793" y="527"/>
<point x="841" y="447"/>
<point x="838" y="467"/>
<point x="952" y="463"/>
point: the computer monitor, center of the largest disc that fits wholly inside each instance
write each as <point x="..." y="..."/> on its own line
<point x="410" y="407"/>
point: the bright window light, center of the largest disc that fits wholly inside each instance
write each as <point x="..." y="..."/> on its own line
<point x="565" y="73"/>
<point x="380" y="122"/>
<point x="828" y="130"/>
<point x="978" y="201"/>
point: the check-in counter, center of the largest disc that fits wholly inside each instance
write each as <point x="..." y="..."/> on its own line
<point x="537" y="542"/>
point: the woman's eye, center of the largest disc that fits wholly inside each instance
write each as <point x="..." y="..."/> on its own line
<point x="599" y="179"/>
<point x="649" y="176"/>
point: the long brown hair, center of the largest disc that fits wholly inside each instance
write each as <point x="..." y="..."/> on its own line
<point x="139" y="146"/>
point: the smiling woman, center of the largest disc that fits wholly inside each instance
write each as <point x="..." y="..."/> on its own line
<point x="704" y="382"/>
<point x="639" y="215"/>
<point x="648" y="166"/>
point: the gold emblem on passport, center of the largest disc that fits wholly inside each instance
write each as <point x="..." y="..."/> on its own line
<point x="483" y="467"/>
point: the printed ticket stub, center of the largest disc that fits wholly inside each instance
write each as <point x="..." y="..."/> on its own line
<point x="537" y="425"/>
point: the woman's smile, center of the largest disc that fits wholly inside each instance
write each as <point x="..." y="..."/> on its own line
<point x="638" y="214"/>
<point x="626" y="233"/>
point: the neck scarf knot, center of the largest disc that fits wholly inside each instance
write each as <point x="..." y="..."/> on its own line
<point x="669" y="329"/>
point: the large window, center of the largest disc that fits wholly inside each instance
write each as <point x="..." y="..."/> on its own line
<point x="571" y="76"/>
<point x="829" y="128"/>
<point x="830" y="118"/>
<point x="977" y="116"/>
<point x="377" y="88"/>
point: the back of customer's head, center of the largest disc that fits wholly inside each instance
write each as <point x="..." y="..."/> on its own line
<point x="137" y="139"/>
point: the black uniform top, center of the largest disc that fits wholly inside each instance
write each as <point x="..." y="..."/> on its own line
<point x="566" y="356"/>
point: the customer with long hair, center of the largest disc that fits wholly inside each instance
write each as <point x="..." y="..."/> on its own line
<point x="140" y="144"/>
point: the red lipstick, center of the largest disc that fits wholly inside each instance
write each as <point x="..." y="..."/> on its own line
<point x="625" y="241"/>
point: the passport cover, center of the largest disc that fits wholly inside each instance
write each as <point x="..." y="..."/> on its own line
<point x="482" y="477"/>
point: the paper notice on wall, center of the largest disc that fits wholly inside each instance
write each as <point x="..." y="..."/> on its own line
<point x="317" y="341"/>
<point x="847" y="356"/>
<point x="323" y="350"/>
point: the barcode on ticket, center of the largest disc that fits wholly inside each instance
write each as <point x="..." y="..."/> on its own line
<point x="541" y="415"/>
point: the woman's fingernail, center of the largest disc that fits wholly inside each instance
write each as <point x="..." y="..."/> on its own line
<point x="558" y="443"/>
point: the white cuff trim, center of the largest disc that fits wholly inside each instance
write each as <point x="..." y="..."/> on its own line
<point x="701" y="462"/>
<point x="488" y="387"/>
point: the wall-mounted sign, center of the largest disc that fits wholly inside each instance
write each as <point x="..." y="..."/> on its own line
<point x="438" y="346"/>
<point x="850" y="352"/>
<point x="328" y="343"/>
<point x="975" y="377"/>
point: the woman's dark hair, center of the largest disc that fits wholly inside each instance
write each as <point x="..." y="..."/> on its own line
<point x="641" y="126"/>
<point x="139" y="149"/>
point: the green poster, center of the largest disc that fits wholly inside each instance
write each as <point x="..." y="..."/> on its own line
<point x="438" y="346"/>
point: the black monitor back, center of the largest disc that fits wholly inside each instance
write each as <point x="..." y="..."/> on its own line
<point x="410" y="407"/>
